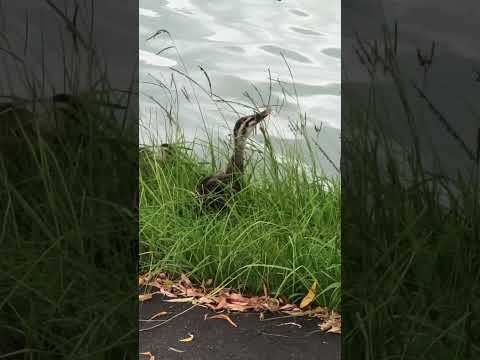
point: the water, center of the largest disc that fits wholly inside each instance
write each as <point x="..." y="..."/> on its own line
<point x="237" y="44"/>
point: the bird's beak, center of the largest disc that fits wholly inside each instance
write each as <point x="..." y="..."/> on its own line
<point x="262" y="115"/>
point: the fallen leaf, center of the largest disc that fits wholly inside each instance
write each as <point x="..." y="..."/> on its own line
<point x="161" y="313"/>
<point x="143" y="297"/>
<point x="224" y="317"/>
<point x="187" y="339"/>
<point x="332" y="325"/>
<point x="307" y="300"/>
<point x="335" y="330"/>
<point x="222" y="301"/>
<point x="238" y="298"/>
<point x="193" y="293"/>
<point x="321" y="311"/>
<point x="141" y="280"/>
<point x="180" y="300"/>
<point x="176" y="350"/>
<point x="151" y="357"/>
<point x="237" y="307"/>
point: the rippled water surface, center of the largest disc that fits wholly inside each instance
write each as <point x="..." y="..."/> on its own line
<point x="238" y="43"/>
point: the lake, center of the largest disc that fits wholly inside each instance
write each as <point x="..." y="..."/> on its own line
<point x="231" y="57"/>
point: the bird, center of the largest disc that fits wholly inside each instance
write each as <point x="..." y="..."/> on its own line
<point x="214" y="190"/>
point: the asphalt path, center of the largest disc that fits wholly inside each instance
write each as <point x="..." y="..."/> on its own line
<point x="267" y="339"/>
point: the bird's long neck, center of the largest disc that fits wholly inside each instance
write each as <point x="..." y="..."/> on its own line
<point x="236" y="164"/>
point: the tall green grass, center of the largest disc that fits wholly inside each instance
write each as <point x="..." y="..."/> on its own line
<point x="282" y="230"/>
<point x="410" y="230"/>
<point x="68" y="227"/>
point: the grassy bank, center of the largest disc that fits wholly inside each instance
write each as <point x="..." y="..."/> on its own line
<point x="282" y="230"/>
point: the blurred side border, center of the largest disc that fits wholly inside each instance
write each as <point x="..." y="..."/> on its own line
<point x="69" y="181"/>
<point x="410" y="192"/>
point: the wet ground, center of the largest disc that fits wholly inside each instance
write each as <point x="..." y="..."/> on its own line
<point x="218" y="339"/>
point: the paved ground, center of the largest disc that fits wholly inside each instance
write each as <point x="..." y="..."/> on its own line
<point x="217" y="339"/>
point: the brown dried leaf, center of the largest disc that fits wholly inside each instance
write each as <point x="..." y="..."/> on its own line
<point x="149" y="354"/>
<point x="237" y="307"/>
<point x="321" y="311"/>
<point x="307" y="300"/>
<point x="224" y="317"/>
<point x="194" y="293"/>
<point x="335" y="330"/>
<point x="180" y="300"/>
<point x="144" y="297"/>
<point x="141" y="280"/>
<point x="222" y="302"/>
<point x="161" y="313"/>
<point x="246" y="303"/>
<point x="238" y="298"/>
<point x="333" y="324"/>
<point x="187" y="339"/>
<point x="167" y="293"/>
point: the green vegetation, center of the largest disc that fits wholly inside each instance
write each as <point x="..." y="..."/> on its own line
<point x="281" y="230"/>
<point x="410" y="230"/>
<point x="68" y="258"/>
<point x="67" y="228"/>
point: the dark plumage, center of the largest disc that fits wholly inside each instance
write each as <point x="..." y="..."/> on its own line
<point x="214" y="190"/>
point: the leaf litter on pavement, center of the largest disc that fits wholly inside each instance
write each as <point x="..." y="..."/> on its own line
<point x="184" y="290"/>
<point x="224" y="317"/>
<point x="187" y="339"/>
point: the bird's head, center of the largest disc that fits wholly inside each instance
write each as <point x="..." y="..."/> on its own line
<point x="245" y="126"/>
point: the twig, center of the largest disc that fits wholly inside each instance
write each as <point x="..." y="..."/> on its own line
<point x="168" y="320"/>
<point x="445" y="123"/>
